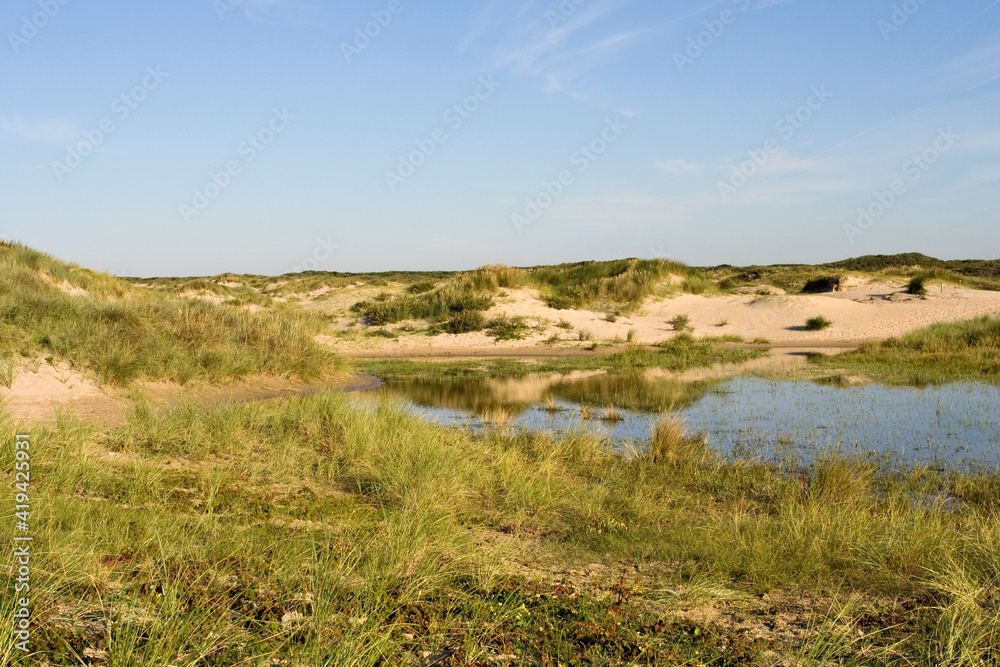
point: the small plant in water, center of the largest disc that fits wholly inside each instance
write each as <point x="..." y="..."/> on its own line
<point x="496" y="415"/>
<point x="671" y="444"/>
<point x="612" y="415"/>
<point x="817" y="323"/>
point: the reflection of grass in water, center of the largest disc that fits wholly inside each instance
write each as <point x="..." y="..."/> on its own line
<point x="630" y="391"/>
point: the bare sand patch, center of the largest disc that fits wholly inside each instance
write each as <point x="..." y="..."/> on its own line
<point x="39" y="391"/>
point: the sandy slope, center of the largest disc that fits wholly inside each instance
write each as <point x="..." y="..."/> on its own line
<point x="864" y="312"/>
<point x="40" y="391"/>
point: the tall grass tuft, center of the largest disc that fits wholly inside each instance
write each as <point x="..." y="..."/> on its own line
<point x="916" y="286"/>
<point x="670" y="443"/>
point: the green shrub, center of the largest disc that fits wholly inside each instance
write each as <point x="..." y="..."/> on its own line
<point x="817" y="323"/>
<point x="381" y="333"/>
<point x="421" y="287"/>
<point x="681" y="322"/>
<point x="504" y="327"/>
<point x="558" y="302"/>
<point x="466" y="321"/>
<point x="916" y="286"/>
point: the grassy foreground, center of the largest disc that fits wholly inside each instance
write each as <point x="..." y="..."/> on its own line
<point x="320" y="531"/>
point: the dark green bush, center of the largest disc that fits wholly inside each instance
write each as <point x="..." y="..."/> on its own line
<point x="466" y="321"/>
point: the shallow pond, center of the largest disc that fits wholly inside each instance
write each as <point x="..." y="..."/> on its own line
<point x="954" y="426"/>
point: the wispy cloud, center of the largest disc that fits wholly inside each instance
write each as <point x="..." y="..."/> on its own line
<point x="54" y="132"/>
<point x="560" y="50"/>
<point x="676" y="166"/>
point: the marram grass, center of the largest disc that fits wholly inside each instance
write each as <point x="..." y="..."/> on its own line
<point x="320" y="530"/>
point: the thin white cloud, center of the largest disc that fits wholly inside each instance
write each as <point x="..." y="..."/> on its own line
<point x="676" y="166"/>
<point x="55" y="131"/>
<point x="559" y="50"/>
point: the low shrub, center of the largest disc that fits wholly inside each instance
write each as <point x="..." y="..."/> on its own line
<point x="504" y="327"/>
<point x="916" y="286"/>
<point x="817" y="323"/>
<point x="466" y="321"/>
<point x="681" y="322"/>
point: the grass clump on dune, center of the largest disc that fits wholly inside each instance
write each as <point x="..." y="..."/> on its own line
<point x="438" y="305"/>
<point x="620" y="285"/>
<point x="818" y="323"/>
<point x="123" y="333"/>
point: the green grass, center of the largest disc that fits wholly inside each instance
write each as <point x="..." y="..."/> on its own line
<point x="678" y="354"/>
<point x="320" y="531"/>
<point x="977" y="274"/>
<point x="123" y="333"/>
<point x="916" y="286"/>
<point x="438" y="305"/>
<point x="503" y="327"/>
<point x="944" y="352"/>
<point x="818" y="323"/>
<point x="681" y="322"/>
<point x="466" y="321"/>
<point x="617" y="286"/>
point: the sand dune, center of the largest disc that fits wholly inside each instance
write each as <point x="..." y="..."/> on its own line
<point x="863" y="312"/>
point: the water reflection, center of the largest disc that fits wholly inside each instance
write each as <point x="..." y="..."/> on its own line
<point x="953" y="425"/>
<point x="637" y="391"/>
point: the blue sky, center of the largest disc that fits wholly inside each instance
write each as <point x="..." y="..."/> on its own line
<point x="200" y="136"/>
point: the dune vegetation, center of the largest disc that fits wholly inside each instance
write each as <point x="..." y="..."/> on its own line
<point x="122" y="333"/>
<point x="943" y="352"/>
<point x="323" y="531"/>
<point x="333" y="530"/>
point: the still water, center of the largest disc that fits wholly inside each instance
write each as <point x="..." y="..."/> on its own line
<point x="954" y="426"/>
